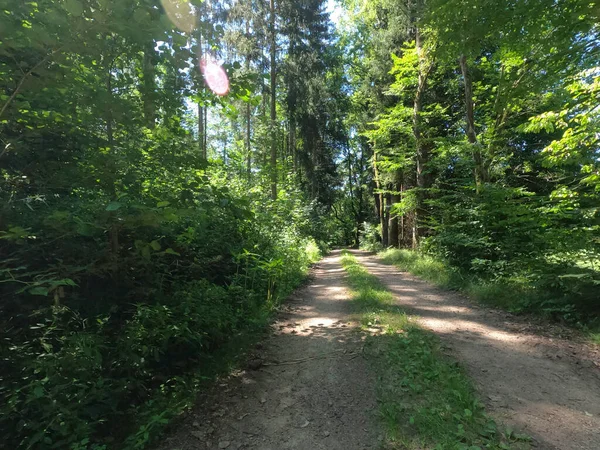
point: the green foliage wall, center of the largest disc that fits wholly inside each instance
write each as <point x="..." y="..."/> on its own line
<point x="128" y="261"/>
<point x="479" y="117"/>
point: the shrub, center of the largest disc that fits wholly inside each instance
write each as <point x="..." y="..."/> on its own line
<point x="139" y="317"/>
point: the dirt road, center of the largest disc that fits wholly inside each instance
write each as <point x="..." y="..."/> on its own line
<point x="312" y="389"/>
<point x="547" y="387"/>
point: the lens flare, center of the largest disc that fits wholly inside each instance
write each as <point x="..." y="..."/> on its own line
<point x="214" y="75"/>
<point x="181" y="13"/>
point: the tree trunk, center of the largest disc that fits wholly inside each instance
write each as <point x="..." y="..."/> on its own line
<point x="377" y="199"/>
<point x="387" y="200"/>
<point x="149" y="85"/>
<point x="273" y="105"/>
<point x="293" y="144"/>
<point x="422" y="150"/>
<point x="248" y="118"/>
<point x="402" y="221"/>
<point x="355" y="211"/>
<point x="313" y="143"/>
<point x="205" y="135"/>
<point x="422" y="147"/>
<point x="393" y="227"/>
<point x="201" y="111"/>
<point x="248" y="148"/>
<point x="113" y="230"/>
<point x="201" y="131"/>
<point x="383" y="221"/>
<point x="359" y="195"/>
<point x="380" y="200"/>
<point x="394" y="233"/>
<point x="480" y="171"/>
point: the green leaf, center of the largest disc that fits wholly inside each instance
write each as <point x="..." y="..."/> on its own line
<point x="113" y="206"/>
<point x="39" y="290"/>
<point x="38" y="392"/>
<point x="74" y="7"/>
<point x="155" y="246"/>
<point x="85" y="229"/>
<point x="162" y="204"/>
<point x="170" y="251"/>
<point x="575" y="275"/>
<point x="47" y="347"/>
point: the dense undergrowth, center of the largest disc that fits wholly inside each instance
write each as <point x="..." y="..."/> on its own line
<point x="115" y="313"/>
<point x="425" y="399"/>
<point x="485" y="147"/>
<point x="147" y="225"/>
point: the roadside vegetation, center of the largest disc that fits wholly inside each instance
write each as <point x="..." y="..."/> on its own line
<point x="481" y="132"/>
<point x="425" y="398"/>
<point x="148" y="226"/>
<point x="170" y="168"/>
<point x="515" y="294"/>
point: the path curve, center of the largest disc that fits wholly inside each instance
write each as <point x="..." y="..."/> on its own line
<point x="547" y="387"/>
<point x="327" y="401"/>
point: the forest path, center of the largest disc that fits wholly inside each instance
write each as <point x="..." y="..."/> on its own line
<point x="548" y="387"/>
<point x="314" y="390"/>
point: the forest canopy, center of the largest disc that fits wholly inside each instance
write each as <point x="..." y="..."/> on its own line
<point x="170" y="169"/>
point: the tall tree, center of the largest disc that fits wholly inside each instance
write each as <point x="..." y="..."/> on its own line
<point x="273" y="104"/>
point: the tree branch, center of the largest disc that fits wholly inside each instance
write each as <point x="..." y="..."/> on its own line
<point x="25" y="76"/>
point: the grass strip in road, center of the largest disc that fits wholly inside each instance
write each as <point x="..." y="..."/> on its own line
<point x="426" y="401"/>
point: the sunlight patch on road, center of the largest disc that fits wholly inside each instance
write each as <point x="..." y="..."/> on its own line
<point x="465" y="326"/>
<point x="320" y="322"/>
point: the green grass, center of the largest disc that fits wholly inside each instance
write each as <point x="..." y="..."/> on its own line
<point x="425" y="399"/>
<point x="423" y="266"/>
<point x="511" y="295"/>
<point x="594" y="336"/>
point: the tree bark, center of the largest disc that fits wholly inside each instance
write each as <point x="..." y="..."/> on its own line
<point x="293" y="144"/>
<point x="359" y="195"/>
<point x="355" y="212"/>
<point x="394" y="233"/>
<point x="201" y="131"/>
<point x="248" y="118"/>
<point x="149" y="85"/>
<point x="480" y="170"/>
<point x="205" y="135"/>
<point x="422" y="148"/>
<point x="380" y="200"/>
<point x="387" y="202"/>
<point x="402" y="221"/>
<point x="201" y="111"/>
<point x="248" y="147"/>
<point x="273" y="105"/>
<point x="113" y="230"/>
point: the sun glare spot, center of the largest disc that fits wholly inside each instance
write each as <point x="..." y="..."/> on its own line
<point x="214" y="75"/>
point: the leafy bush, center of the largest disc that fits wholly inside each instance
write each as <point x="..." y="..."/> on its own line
<point x="105" y="346"/>
<point x="425" y="266"/>
<point x="371" y="238"/>
<point x="560" y="297"/>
